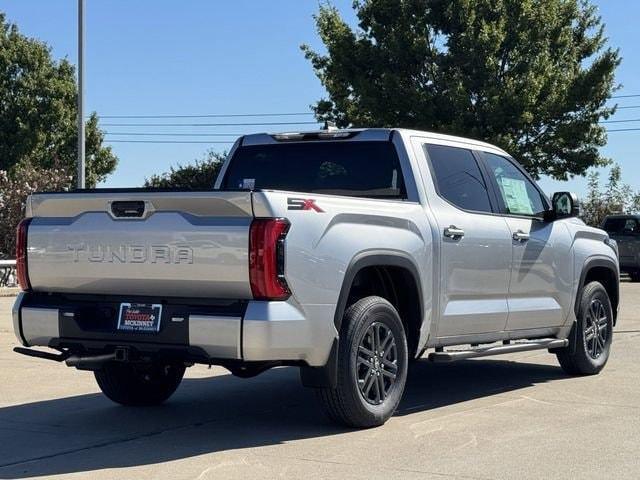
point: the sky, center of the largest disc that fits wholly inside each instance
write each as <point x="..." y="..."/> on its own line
<point x="204" y="57"/>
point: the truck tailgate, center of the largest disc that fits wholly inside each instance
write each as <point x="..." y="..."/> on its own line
<point x="175" y="244"/>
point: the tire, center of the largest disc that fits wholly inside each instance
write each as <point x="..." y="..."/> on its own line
<point x="368" y="392"/>
<point x="588" y="350"/>
<point x="139" y="385"/>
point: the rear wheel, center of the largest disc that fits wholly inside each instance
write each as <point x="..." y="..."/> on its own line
<point x="372" y="365"/>
<point x="591" y="336"/>
<point x="139" y="384"/>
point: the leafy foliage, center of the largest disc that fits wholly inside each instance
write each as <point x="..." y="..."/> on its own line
<point x="38" y="135"/>
<point x="617" y="197"/>
<point x="532" y="76"/>
<point x="199" y="176"/>
<point x="38" y="110"/>
<point x="15" y="186"/>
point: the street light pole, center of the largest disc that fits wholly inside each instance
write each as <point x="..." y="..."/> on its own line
<point x="81" y="134"/>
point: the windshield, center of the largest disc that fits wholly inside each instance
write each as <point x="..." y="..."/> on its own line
<point x="363" y="169"/>
<point x="621" y="226"/>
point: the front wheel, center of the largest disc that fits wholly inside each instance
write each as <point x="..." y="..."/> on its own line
<point x="372" y="365"/>
<point x="139" y="384"/>
<point x="591" y="336"/>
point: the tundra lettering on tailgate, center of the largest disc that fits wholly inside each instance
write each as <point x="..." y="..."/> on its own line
<point x="131" y="253"/>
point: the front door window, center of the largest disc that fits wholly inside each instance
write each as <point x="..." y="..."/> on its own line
<point x="519" y="195"/>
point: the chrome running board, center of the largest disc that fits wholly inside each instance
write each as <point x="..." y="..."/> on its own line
<point x="454" y="355"/>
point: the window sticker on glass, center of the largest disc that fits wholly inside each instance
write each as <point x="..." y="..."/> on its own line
<point x="248" y="183"/>
<point x="515" y="195"/>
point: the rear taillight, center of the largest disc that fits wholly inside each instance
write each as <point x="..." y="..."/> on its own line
<point x="266" y="258"/>
<point x="21" y="254"/>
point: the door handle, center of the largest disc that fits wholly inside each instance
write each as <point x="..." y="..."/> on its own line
<point x="520" y="236"/>
<point x="453" y="232"/>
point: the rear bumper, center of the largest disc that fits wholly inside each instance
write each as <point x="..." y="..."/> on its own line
<point x="629" y="267"/>
<point x="219" y="332"/>
<point x="629" y="263"/>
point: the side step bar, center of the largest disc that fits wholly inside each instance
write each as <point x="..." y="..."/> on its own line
<point x="29" y="352"/>
<point x="454" y="355"/>
<point x="91" y="362"/>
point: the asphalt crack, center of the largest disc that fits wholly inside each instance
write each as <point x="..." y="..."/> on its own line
<point x="407" y="470"/>
<point x="131" y="438"/>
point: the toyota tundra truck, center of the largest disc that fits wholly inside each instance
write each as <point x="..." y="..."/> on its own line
<point x="346" y="253"/>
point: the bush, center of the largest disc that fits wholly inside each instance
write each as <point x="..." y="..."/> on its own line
<point x="199" y="176"/>
<point x="617" y="197"/>
<point x="15" y="185"/>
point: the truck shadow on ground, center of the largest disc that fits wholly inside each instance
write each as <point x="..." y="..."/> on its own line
<point x="87" y="433"/>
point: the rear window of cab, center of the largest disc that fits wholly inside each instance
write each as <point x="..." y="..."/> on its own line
<point x="360" y="169"/>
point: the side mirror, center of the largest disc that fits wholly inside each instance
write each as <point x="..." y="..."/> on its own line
<point x="563" y="205"/>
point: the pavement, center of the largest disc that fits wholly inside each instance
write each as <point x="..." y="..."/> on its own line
<point x="510" y="417"/>
<point x="8" y="292"/>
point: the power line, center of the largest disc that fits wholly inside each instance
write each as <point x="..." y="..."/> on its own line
<point x="621" y="121"/>
<point x="254" y="115"/>
<point x="204" y="124"/>
<point x="264" y="114"/>
<point x="175" y="134"/>
<point x="163" y="141"/>
<point x="159" y="134"/>
<point x="626" y="96"/>
<point x="212" y="115"/>
<point x="236" y="134"/>
<point x="230" y="142"/>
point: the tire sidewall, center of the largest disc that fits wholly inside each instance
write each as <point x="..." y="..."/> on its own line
<point x="377" y="310"/>
<point x="592" y="291"/>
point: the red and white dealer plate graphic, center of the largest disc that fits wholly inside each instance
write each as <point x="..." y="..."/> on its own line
<point x="140" y="317"/>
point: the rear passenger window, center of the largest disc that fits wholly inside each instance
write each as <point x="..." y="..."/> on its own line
<point x="458" y="178"/>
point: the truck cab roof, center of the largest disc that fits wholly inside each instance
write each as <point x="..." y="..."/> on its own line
<point x="364" y="134"/>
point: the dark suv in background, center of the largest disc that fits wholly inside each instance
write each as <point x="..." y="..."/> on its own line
<point x="625" y="230"/>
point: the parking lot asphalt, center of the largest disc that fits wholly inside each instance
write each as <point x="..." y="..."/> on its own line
<point x="509" y="417"/>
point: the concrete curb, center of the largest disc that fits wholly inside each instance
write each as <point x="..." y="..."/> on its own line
<point x="9" y="292"/>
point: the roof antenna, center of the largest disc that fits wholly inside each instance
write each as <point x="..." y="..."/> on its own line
<point x="329" y="126"/>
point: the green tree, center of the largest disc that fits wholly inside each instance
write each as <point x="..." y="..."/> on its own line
<point x="199" y="176"/>
<point x="532" y="76"/>
<point x="14" y="189"/>
<point x="38" y="110"/>
<point x="616" y="197"/>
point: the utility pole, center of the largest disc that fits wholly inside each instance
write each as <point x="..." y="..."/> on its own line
<point x="81" y="135"/>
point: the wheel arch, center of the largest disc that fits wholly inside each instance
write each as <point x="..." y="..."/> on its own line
<point x="605" y="271"/>
<point x="394" y="266"/>
<point x="377" y="259"/>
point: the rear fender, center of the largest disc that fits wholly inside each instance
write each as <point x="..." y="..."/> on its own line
<point x="326" y="376"/>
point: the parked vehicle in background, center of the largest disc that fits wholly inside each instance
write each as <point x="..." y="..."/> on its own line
<point x="625" y="230"/>
<point x="346" y="253"/>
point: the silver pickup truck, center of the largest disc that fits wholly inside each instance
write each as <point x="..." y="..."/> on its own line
<point x="346" y="253"/>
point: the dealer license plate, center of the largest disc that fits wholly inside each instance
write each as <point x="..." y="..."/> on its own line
<point x="140" y="317"/>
